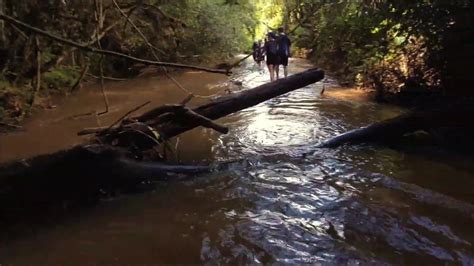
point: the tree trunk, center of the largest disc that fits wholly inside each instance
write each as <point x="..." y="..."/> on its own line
<point x="456" y="116"/>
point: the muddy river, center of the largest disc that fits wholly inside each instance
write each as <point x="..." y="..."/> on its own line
<point x="284" y="201"/>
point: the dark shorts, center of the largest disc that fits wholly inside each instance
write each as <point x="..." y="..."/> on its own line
<point x="284" y="60"/>
<point x="273" y="59"/>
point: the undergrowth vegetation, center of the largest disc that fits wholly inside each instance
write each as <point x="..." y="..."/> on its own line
<point x="400" y="48"/>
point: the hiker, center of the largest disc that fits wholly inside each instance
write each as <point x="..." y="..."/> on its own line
<point x="284" y="44"/>
<point x="258" y="53"/>
<point x="271" y="50"/>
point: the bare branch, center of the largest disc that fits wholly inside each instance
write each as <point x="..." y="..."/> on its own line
<point x="205" y="122"/>
<point x="104" y="52"/>
<point x="84" y="70"/>
<point x="128" y="113"/>
<point x="38" y="70"/>
<point x="100" y="22"/>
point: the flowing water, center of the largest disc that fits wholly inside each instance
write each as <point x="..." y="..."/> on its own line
<point x="283" y="202"/>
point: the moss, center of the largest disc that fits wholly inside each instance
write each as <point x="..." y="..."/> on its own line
<point x="59" y="78"/>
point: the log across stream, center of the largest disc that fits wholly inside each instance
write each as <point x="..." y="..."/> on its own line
<point x="109" y="158"/>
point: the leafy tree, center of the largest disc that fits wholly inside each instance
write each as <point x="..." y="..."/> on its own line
<point x="394" y="46"/>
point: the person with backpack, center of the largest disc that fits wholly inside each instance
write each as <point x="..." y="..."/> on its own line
<point x="271" y="50"/>
<point x="284" y="44"/>
<point x="258" y="53"/>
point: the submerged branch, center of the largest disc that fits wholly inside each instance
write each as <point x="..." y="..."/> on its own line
<point x="106" y="78"/>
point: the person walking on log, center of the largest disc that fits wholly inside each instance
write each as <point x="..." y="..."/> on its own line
<point x="271" y="50"/>
<point x="284" y="44"/>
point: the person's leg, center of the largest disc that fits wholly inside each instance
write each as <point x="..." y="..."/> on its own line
<point x="277" y="71"/>
<point x="284" y="62"/>
<point x="272" y="74"/>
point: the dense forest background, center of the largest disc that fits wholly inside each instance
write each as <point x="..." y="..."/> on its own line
<point x="403" y="49"/>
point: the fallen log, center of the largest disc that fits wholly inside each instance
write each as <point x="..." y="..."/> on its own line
<point x="171" y="124"/>
<point x="77" y="177"/>
<point x="105" y="162"/>
<point x="390" y="130"/>
<point x="215" y="109"/>
<point x="232" y="103"/>
<point x="105" y="159"/>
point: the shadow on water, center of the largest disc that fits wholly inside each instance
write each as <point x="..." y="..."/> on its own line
<point x="287" y="202"/>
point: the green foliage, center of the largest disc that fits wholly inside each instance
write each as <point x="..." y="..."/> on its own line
<point x="60" y="78"/>
<point x="270" y="15"/>
<point x="215" y="28"/>
<point x="388" y="44"/>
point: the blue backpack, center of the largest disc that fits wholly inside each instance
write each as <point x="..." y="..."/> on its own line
<point x="284" y="45"/>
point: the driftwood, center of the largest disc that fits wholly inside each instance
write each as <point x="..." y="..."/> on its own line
<point x="387" y="131"/>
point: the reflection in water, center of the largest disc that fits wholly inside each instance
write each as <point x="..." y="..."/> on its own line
<point x="287" y="202"/>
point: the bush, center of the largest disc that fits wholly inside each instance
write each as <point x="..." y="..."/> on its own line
<point x="59" y="79"/>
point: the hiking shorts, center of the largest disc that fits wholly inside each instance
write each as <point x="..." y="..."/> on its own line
<point x="273" y="59"/>
<point x="284" y="60"/>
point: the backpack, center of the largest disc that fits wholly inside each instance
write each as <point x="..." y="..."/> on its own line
<point x="272" y="47"/>
<point x="284" y="45"/>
